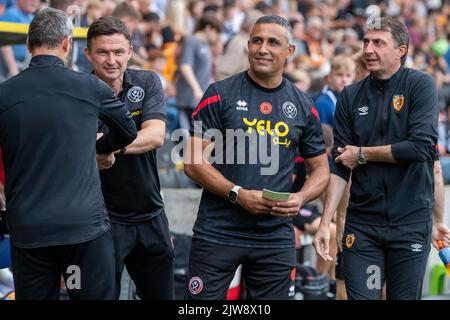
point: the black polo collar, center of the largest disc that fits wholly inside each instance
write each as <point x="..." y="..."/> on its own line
<point x="45" y="60"/>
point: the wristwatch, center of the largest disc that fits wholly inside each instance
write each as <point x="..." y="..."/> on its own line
<point x="233" y="194"/>
<point x="361" y="157"/>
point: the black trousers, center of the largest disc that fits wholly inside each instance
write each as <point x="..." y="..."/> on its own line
<point x="395" y="254"/>
<point x="267" y="273"/>
<point x="87" y="269"/>
<point x="147" y="252"/>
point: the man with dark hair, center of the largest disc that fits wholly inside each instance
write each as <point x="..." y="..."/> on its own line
<point x="56" y="213"/>
<point x="131" y="184"/>
<point x="385" y="135"/>
<point x="236" y="224"/>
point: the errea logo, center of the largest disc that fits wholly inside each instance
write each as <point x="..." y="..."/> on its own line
<point x="241" y="105"/>
<point x="416" y="247"/>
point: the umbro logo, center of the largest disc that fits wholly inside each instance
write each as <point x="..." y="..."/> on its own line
<point x="241" y="105"/>
<point x="416" y="247"/>
<point x="363" y="110"/>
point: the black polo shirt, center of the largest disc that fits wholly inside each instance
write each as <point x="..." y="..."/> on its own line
<point x="48" y="125"/>
<point x="282" y="117"/>
<point x="131" y="187"/>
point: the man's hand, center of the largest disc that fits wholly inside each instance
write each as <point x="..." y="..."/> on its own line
<point x="288" y="208"/>
<point x="105" y="161"/>
<point x="440" y="232"/>
<point x="321" y="243"/>
<point x="348" y="156"/>
<point x="253" y="202"/>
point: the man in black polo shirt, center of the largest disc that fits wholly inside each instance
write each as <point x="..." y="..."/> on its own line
<point x="235" y="224"/>
<point x="131" y="185"/>
<point x="56" y="213"/>
<point x="385" y="135"/>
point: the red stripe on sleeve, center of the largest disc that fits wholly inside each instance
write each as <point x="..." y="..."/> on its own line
<point x="299" y="160"/>
<point x="314" y="112"/>
<point x="205" y="103"/>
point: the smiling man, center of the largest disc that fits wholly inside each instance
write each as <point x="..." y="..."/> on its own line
<point x="130" y="181"/>
<point x="235" y="224"/>
<point x="385" y="135"/>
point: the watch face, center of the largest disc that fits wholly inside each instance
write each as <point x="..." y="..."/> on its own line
<point x="361" y="159"/>
<point x="232" y="196"/>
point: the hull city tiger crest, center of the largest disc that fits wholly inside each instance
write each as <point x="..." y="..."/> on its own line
<point x="350" y="240"/>
<point x="398" y="102"/>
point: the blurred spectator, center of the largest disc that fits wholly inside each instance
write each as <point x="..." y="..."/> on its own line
<point x="214" y="10"/>
<point x="158" y="61"/>
<point x="360" y="66"/>
<point x="298" y="29"/>
<point x="301" y="79"/>
<point x="60" y="4"/>
<point x="195" y="8"/>
<point x="94" y="10"/>
<point x="130" y="17"/>
<point x="6" y="4"/>
<point x="314" y="38"/>
<point x="150" y="27"/>
<point x="144" y="7"/>
<point x="234" y="58"/>
<point x="195" y="66"/>
<point x="342" y="74"/>
<point x="175" y="27"/>
<point x="229" y="12"/>
<point x="108" y="7"/>
<point x="16" y="57"/>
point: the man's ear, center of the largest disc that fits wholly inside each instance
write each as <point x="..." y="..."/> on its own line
<point x="291" y="50"/>
<point x="131" y="52"/>
<point x="403" y="50"/>
<point x="66" y="44"/>
<point x="87" y="52"/>
<point x="28" y="47"/>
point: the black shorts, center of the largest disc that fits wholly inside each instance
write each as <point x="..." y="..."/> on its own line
<point x="87" y="268"/>
<point x="397" y="254"/>
<point x="339" y="269"/>
<point x="267" y="273"/>
<point x="147" y="252"/>
<point x="306" y="215"/>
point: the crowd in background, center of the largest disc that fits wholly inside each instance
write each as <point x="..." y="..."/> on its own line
<point x="191" y="44"/>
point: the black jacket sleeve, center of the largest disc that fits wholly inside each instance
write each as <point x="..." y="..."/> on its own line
<point x="122" y="129"/>
<point x="342" y="133"/>
<point x="422" y="123"/>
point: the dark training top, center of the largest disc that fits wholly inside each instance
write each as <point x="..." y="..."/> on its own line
<point x="131" y="187"/>
<point x="401" y="112"/>
<point x="48" y="124"/>
<point x="286" y="118"/>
